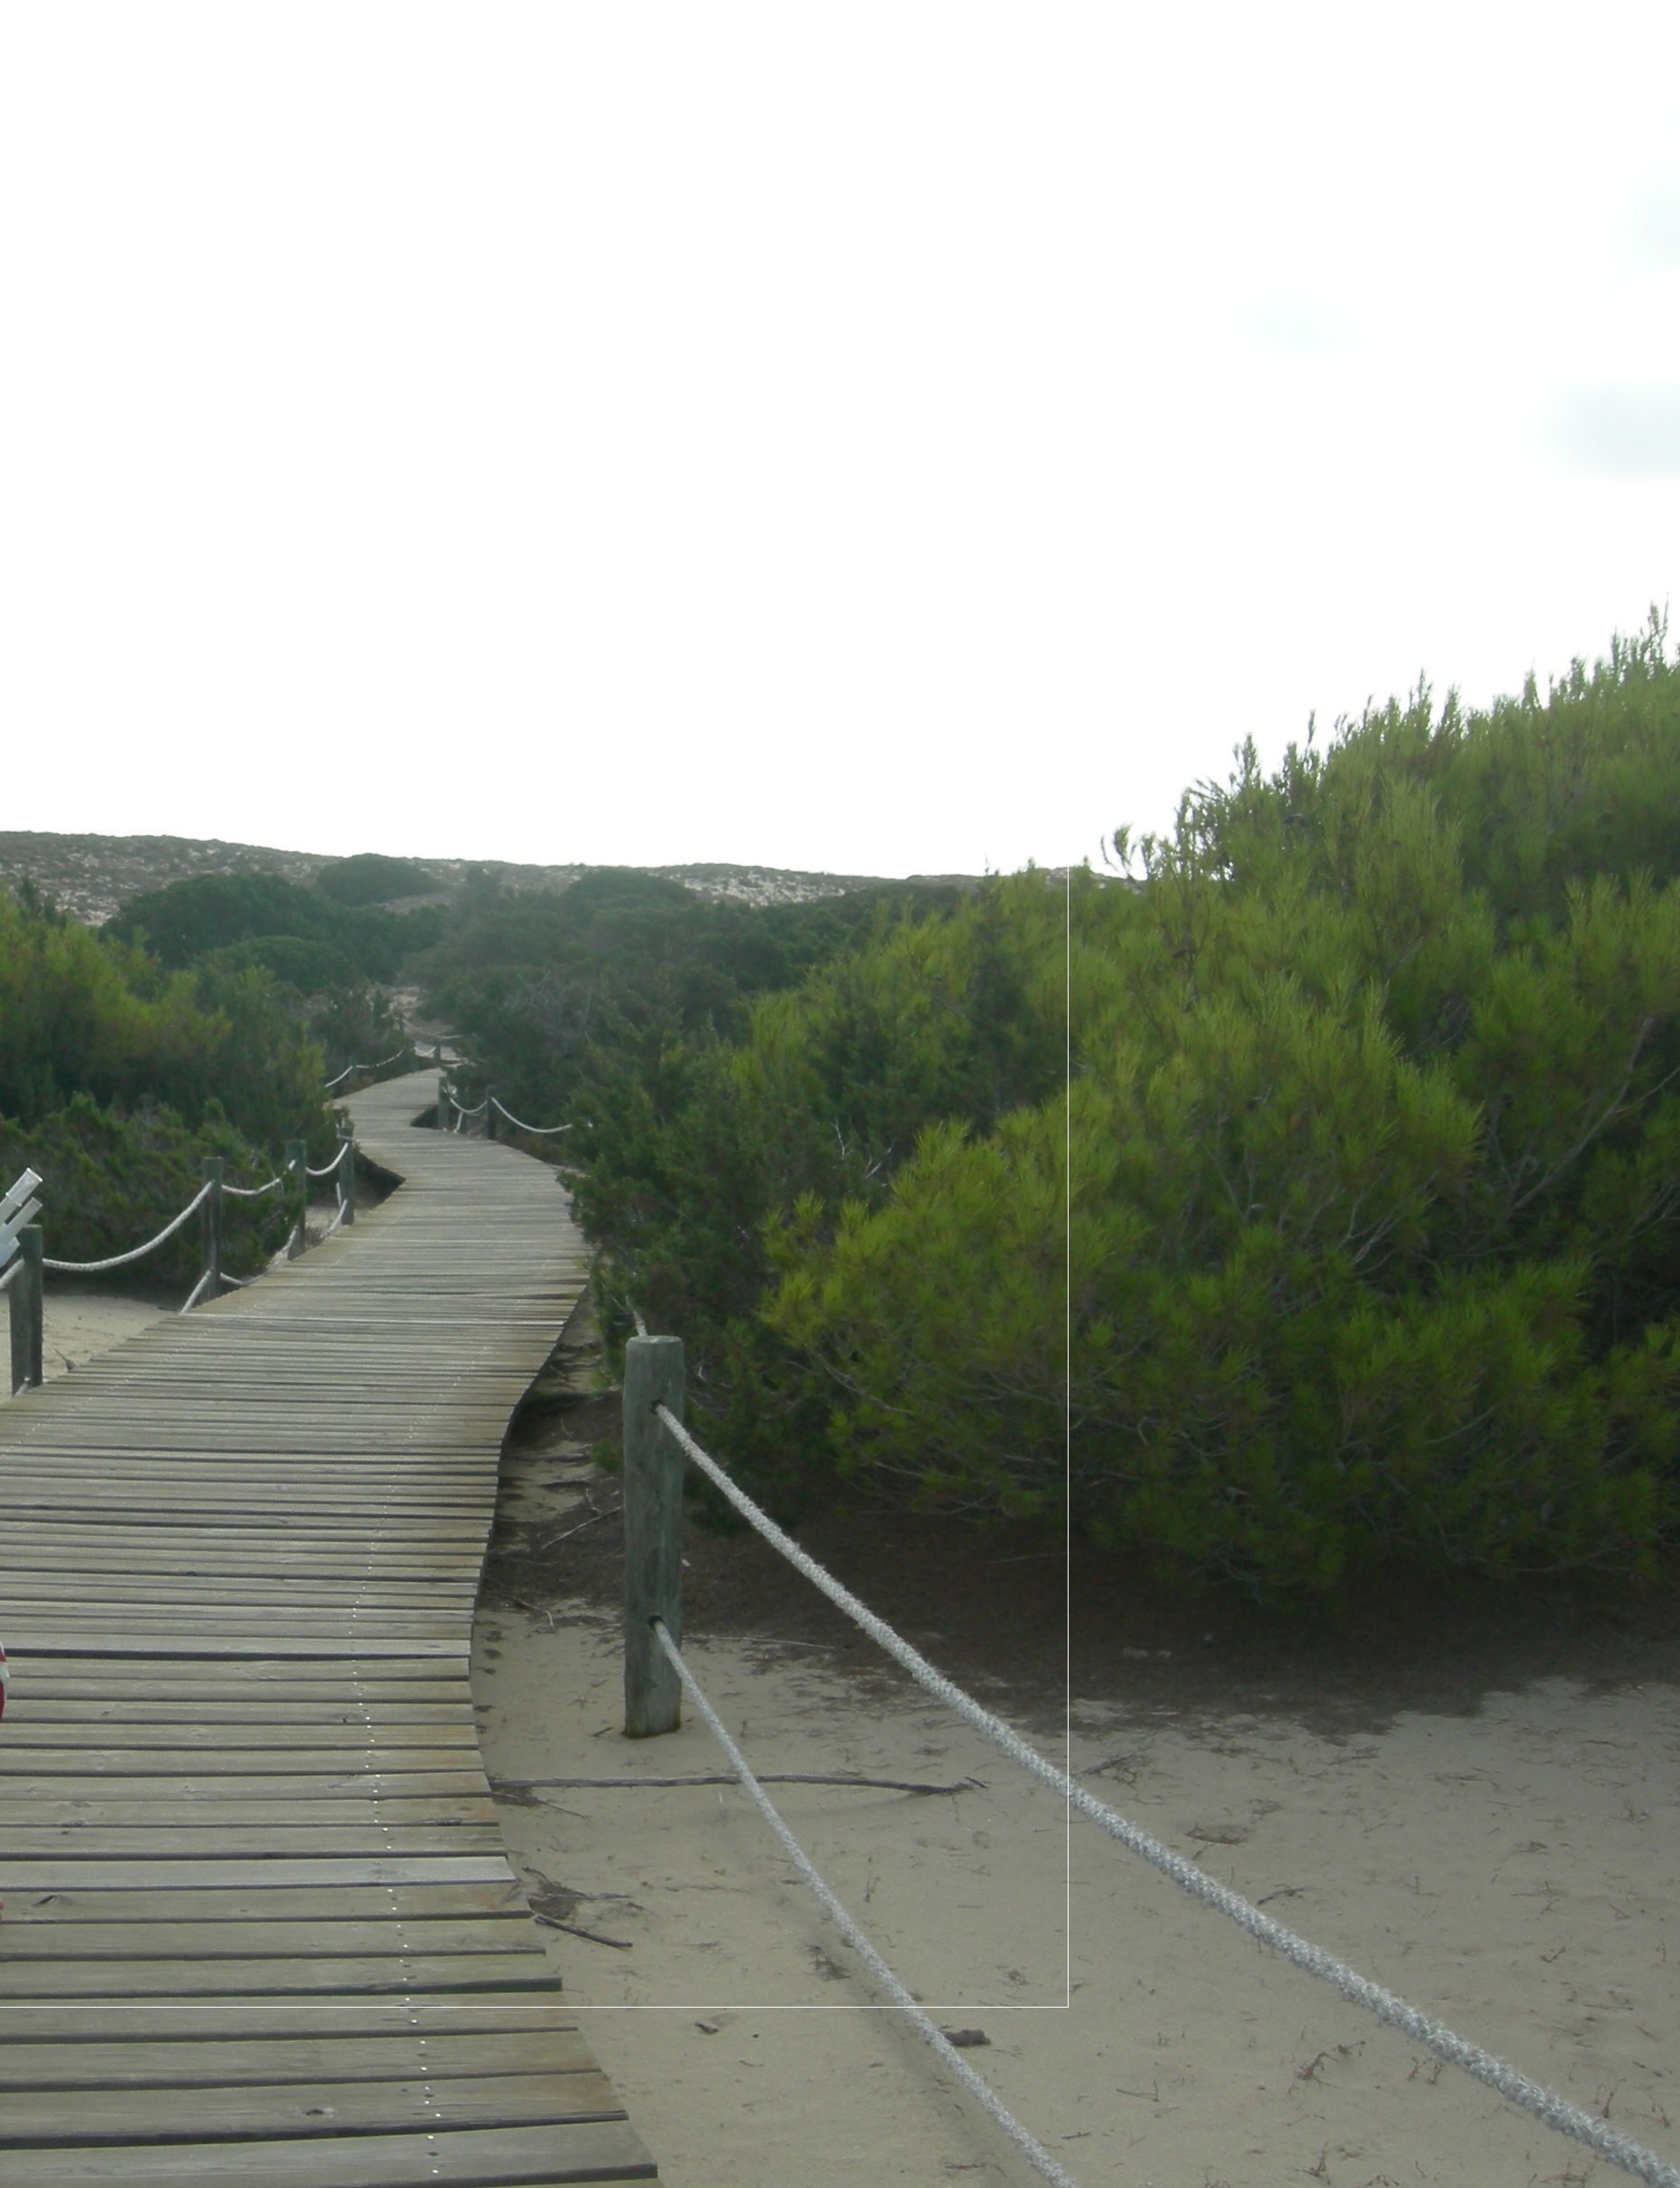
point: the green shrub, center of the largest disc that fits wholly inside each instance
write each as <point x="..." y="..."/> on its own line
<point x="110" y="1183"/>
<point x="1374" y="1139"/>
<point x="371" y="877"/>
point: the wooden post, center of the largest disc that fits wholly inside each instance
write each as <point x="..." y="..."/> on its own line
<point x="653" y="1535"/>
<point x="490" y="1115"/>
<point x="211" y="1219"/>
<point x="25" y="1301"/>
<point x="443" y="1102"/>
<point x="298" y="1161"/>
<point x="347" y="1176"/>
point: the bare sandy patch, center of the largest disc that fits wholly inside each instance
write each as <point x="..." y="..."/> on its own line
<point x="80" y="1323"/>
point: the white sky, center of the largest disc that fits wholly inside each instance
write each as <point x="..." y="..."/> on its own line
<point x="879" y="437"/>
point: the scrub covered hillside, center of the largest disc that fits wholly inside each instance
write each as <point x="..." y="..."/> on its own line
<point x="1340" y="1232"/>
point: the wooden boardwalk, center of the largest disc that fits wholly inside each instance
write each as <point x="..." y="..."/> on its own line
<point x="259" y="1927"/>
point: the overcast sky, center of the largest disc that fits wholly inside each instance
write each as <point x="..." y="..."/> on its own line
<point x="879" y="437"/>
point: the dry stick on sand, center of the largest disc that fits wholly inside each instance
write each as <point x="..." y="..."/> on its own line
<point x="728" y="1778"/>
<point x="572" y="1929"/>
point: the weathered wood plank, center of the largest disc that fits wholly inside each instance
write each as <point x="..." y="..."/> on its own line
<point x="393" y="1972"/>
<point x="283" y="1904"/>
<point x="183" y="2065"/>
<point x="312" y="2109"/>
<point x="505" y="2157"/>
<point x="106" y="1938"/>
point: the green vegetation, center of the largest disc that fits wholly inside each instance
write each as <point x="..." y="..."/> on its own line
<point x="187" y="921"/>
<point x="117" y="1076"/>
<point x="371" y="878"/>
<point x="328" y="953"/>
<point x="560" y="993"/>
<point x="1373" y="1122"/>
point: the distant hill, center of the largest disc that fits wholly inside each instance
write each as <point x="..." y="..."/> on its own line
<point x="90" y="877"/>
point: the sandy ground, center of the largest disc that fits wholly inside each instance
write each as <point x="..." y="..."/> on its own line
<point x="1471" y="1799"/>
<point x="1482" y="1823"/>
<point x="79" y="1322"/>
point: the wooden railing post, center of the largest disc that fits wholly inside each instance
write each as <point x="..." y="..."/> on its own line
<point x="653" y="1535"/>
<point x="297" y="1162"/>
<point x="489" y="1113"/>
<point x="27" y="1307"/>
<point x="211" y="1219"/>
<point x="348" y="1175"/>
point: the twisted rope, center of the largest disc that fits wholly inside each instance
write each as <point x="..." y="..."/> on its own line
<point x="326" y="1169"/>
<point x="380" y="1066"/>
<point x="1032" y="2149"/>
<point x="12" y="1273"/>
<point x="1532" y="2097"/>
<point x="541" y="1131"/>
<point x="118" y="1261"/>
<point x="460" y="1109"/>
<point x="251" y="1192"/>
<point x="193" y="1296"/>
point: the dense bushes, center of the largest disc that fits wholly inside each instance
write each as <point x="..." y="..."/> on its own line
<point x="1350" y="1235"/>
<point x="186" y="921"/>
<point x="116" y="1077"/>
<point x="562" y="992"/>
<point x="114" y="1180"/>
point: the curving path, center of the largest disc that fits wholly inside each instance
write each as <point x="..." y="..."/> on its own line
<point x="259" y="1927"/>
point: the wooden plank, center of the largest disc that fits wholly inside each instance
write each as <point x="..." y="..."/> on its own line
<point x="111" y="1939"/>
<point x="41" y="1738"/>
<point x="393" y="1972"/>
<point x="213" y="1837"/>
<point x="310" y="2108"/>
<point x="358" y="1803"/>
<point x="156" y="2061"/>
<point x="278" y="2022"/>
<point x="153" y="1709"/>
<point x="501" y="2158"/>
<point x="55" y="1773"/>
<point x="236" y="1875"/>
<point x="258" y="1903"/>
<point x="41" y="1641"/>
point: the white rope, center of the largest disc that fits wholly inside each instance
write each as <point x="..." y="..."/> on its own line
<point x="117" y="1260"/>
<point x="541" y="1131"/>
<point x="16" y="1269"/>
<point x="251" y="1192"/>
<point x="1034" y="2150"/>
<point x="641" y="1326"/>
<point x="1532" y="2097"/>
<point x="380" y="1066"/>
<point x="192" y="1297"/>
<point x="477" y="1110"/>
<point x="326" y="1169"/>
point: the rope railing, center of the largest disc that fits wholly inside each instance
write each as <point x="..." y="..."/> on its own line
<point x="1037" y="2155"/>
<point x="541" y="1131"/>
<point x="139" y="1253"/>
<point x="350" y="1070"/>
<point x="21" y="1280"/>
<point x="652" y="1505"/>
